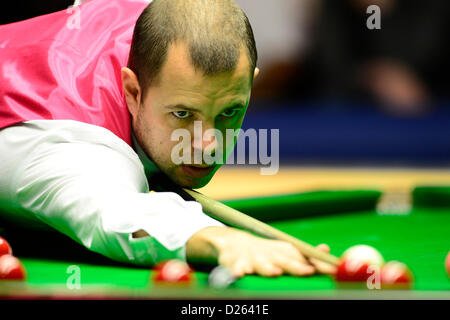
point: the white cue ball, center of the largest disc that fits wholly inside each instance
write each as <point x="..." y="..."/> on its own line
<point x="364" y="253"/>
<point x="221" y="277"/>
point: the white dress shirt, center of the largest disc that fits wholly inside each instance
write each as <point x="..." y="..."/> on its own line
<point x="87" y="183"/>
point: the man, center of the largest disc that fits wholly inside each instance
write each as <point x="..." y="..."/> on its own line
<point x="84" y="136"/>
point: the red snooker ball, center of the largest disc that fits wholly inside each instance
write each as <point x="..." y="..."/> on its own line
<point x="5" y="248"/>
<point x="11" y="268"/>
<point x="349" y="270"/>
<point x="395" y="274"/>
<point x="173" y="271"/>
<point x="357" y="263"/>
<point x="447" y="264"/>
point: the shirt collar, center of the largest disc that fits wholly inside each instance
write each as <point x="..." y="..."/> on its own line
<point x="150" y="167"/>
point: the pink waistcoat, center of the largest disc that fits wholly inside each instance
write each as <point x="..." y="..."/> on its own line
<point x="66" y="65"/>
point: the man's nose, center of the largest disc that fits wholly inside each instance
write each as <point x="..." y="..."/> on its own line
<point x="206" y="139"/>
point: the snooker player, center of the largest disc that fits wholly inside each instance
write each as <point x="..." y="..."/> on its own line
<point x="88" y="103"/>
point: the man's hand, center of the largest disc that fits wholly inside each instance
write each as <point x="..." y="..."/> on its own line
<point x="244" y="254"/>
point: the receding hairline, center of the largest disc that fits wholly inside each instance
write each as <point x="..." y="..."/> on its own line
<point x="186" y="56"/>
<point x="214" y="30"/>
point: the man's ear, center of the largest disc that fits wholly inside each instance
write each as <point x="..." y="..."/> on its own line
<point x="132" y="90"/>
<point x="256" y="73"/>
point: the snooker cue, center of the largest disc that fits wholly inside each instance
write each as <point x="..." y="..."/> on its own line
<point x="236" y="218"/>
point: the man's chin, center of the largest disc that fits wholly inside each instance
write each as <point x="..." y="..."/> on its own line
<point x="190" y="182"/>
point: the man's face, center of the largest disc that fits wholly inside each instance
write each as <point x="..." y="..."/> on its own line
<point x="181" y="96"/>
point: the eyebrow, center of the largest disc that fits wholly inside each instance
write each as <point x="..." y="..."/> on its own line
<point x="180" y="106"/>
<point x="234" y="105"/>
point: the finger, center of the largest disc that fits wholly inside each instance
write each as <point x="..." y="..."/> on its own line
<point x="266" y="268"/>
<point x="293" y="267"/>
<point x="324" y="247"/>
<point x="321" y="266"/>
<point x="233" y="263"/>
<point x="289" y="250"/>
<point x="241" y="267"/>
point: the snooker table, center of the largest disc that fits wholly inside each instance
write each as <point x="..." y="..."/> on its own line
<point x="418" y="236"/>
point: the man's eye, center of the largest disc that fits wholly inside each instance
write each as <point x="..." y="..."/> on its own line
<point x="230" y="113"/>
<point x="181" y="114"/>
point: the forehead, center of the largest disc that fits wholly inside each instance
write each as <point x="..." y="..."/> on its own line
<point x="178" y="73"/>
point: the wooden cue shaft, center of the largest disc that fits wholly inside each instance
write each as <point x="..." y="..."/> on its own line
<point x="236" y="218"/>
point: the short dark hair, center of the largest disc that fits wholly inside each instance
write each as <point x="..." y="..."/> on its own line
<point x="215" y="31"/>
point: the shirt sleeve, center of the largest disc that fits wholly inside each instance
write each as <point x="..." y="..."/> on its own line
<point x="87" y="183"/>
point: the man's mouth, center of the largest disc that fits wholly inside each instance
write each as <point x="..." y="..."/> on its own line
<point x="197" y="171"/>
